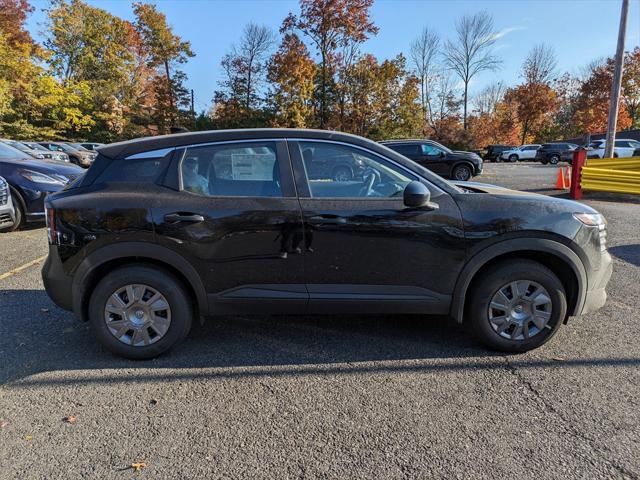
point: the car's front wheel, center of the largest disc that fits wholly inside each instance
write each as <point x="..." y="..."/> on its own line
<point x="513" y="158"/>
<point x="461" y="172"/>
<point x="140" y="311"/>
<point x="517" y="306"/>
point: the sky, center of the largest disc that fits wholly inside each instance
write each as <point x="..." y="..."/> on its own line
<point x="579" y="30"/>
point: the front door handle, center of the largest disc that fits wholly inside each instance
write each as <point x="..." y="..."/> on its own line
<point x="183" y="217"/>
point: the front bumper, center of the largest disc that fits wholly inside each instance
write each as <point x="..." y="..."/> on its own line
<point x="596" y="295"/>
<point x="7" y="214"/>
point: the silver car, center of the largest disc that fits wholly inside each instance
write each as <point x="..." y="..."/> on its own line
<point x="7" y="211"/>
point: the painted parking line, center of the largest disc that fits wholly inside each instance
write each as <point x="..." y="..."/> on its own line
<point x="21" y="268"/>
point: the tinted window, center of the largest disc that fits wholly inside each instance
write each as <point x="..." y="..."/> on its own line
<point x="622" y="143"/>
<point x="373" y="177"/>
<point x="232" y="170"/>
<point x="407" y="150"/>
<point x="145" y="170"/>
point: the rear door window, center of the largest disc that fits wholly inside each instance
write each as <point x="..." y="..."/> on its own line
<point x="232" y="170"/>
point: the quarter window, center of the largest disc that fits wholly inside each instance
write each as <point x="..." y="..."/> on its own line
<point x="340" y="171"/>
<point x="430" y="150"/>
<point x="232" y="170"/>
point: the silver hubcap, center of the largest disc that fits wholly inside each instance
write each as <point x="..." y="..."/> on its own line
<point x="519" y="310"/>
<point x="462" y="174"/>
<point x="137" y="315"/>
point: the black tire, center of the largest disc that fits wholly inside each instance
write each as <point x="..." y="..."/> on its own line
<point x="21" y="218"/>
<point x="461" y="172"/>
<point x="495" y="278"/>
<point x="513" y="158"/>
<point x="342" y="174"/>
<point x="544" y="161"/>
<point x="554" y="159"/>
<point x="173" y="290"/>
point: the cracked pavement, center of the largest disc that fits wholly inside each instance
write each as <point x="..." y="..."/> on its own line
<point x="329" y="397"/>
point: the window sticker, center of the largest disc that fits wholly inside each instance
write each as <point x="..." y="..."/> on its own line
<point x="252" y="166"/>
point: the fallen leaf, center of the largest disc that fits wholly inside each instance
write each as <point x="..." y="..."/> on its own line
<point x="3" y="423"/>
<point x="28" y="438"/>
<point x="559" y="359"/>
<point x="137" y="466"/>
<point x="70" y="419"/>
<point x="153" y="401"/>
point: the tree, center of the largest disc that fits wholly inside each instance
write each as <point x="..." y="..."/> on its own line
<point x="535" y="104"/>
<point x="291" y="71"/>
<point x="472" y="51"/>
<point x="165" y="52"/>
<point x="592" y="103"/>
<point x="540" y="65"/>
<point x="631" y="86"/>
<point x="424" y="52"/>
<point x="253" y="50"/>
<point x="488" y="99"/>
<point x="331" y="24"/>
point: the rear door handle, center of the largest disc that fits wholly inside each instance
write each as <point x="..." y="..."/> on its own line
<point x="183" y="217"/>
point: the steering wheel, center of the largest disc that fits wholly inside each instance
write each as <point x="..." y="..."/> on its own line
<point x="369" y="178"/>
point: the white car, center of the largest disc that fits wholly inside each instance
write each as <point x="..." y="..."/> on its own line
<point x="622" y="148"/>
<point x="7" y="210"/>
<point x="524" y="152"/>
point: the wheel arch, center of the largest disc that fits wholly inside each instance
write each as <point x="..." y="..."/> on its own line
<point x="556" y="256"/>
<point x="97" y="264"/>
<point x="466" y="163"/>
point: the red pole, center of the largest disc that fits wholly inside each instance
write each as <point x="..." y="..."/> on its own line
<point x="579" y="159"/>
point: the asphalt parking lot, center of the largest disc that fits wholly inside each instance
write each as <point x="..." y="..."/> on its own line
<point x="329" y="397"/>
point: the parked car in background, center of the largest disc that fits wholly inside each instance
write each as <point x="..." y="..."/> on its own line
<point x="23" y="148"/>
<point x="7" y="210"/>
<point x="30" y="180"/>
<point x="91" y="146"/>
<point x="439" y="159"/>
<point x="159" y="233"/>
<point x="51" y="155"/>
<point x="523" y="152"/>
<point x="622" y="148"/>
<point x="494" y="151"/>
<point x="83" y="158"/>
<point x="555" y="152"/>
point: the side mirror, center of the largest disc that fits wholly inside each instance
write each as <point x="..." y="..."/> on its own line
<point x="416" y="195"/>
<point x="441" y="154"/>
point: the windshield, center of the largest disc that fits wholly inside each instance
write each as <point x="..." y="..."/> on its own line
<point x="8" y="152"/>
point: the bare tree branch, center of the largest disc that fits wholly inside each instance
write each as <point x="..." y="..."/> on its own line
<point x="424" y="52"/>
<point x="472" y="50"/>
<point x="540" y="65"/>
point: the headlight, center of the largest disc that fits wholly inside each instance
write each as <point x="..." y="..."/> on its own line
<point x="598" y="221"/>
<point x="37" y="177"/>
<point x="590" y="219"/>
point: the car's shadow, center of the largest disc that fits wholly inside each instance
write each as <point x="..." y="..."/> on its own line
<point x="36" y="337"/>
<point x="627" y="253"/>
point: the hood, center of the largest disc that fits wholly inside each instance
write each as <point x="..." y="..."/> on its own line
<point x="511" y="195"/>
<point x="45" y="166"/>
<point x="465" y="155"/>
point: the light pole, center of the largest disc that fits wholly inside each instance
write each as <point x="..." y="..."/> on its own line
<point x="617" y="83"/>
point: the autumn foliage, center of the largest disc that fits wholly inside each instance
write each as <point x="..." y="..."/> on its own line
<point x="97" y="76"/>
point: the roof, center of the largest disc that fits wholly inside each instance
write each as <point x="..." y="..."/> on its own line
<point x="139" y="145"/>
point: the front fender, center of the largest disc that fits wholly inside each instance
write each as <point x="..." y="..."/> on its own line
<point x="475" y="263"/>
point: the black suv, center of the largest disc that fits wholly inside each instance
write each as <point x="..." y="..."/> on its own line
<point x="438" y="158"/>
<point x="494" y="151"/>
<point x="555" y="152"/>
<point x="161" y="231"/>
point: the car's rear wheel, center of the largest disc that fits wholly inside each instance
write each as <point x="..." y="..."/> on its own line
<point x="517" y="306"/>
<point x="342" y="174"/>
<point x="140" y="311"/>
<point x="513" y="158"/>
<point x="554" y="159"/>
<point x="461" y="172"/>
